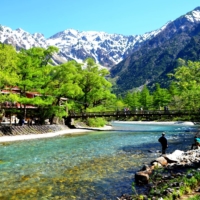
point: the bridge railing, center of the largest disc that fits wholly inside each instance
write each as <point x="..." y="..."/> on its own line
<point x="135" y="112"/>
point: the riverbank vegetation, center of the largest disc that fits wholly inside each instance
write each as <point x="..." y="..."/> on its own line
<point x="30" y="80"/>
<point x="170" y="185"/>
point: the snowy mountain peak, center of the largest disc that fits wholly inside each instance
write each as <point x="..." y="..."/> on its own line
<point x="38" y="35"/>
<point x="21" y="39"/>
<point x="107" y="49"/>
<point x="19" y="30"/>
<point x="71" y="31"/>
<point x="194" y="16"/>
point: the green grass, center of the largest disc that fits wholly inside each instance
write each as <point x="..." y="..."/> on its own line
<point x="196" y="197"/>
<point x="188" y="184"/>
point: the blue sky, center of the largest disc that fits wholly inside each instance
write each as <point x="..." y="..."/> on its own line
<point x="127" y="17"/>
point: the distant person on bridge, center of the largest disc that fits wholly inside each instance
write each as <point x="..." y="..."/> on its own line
<point x="163" y="142"/>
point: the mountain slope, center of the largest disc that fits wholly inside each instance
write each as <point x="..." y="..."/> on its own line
<point x="157" y="56"/>
<point x="106" y="49"/>
<point x="190" y="52"/>
<point x="21" y="39"/>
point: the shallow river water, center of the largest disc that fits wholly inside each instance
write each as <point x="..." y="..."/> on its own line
<point x="92" y="166"/>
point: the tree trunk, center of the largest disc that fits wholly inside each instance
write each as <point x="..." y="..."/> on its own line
<point x="24" y="114"/>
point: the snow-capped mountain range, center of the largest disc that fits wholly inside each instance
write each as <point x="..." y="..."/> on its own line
<point x="106" y="49"/>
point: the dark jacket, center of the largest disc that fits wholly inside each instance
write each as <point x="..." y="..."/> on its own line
<point x="163" y="141"/>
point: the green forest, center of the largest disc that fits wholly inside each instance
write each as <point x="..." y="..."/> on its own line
<point x="84" y="87"/>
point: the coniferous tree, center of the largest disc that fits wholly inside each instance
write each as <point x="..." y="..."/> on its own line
<point x="175" y="98"/>
<point x="145" y="98"/>
<point x="136" y="100"/>
<point x="133" y="100"/>
<point x="161" y="97"/>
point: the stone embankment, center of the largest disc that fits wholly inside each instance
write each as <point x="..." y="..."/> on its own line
<point x="27" y="130"/>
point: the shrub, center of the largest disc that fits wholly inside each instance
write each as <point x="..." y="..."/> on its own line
<point x="192" y="183"/>
<point x="96" y="122"/>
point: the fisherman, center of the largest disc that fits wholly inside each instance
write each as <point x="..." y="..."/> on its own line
<point x="163" y="142"/>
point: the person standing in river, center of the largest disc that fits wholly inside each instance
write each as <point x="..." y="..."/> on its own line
<point x="163" y="142"/>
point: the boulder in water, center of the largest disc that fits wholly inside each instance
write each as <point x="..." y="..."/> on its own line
<point x="174" y="157"/>
<point x="141" y="177"/>
<point x="161" y="160"/>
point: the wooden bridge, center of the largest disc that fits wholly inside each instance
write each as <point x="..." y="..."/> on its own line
<point x="149" y="115"/>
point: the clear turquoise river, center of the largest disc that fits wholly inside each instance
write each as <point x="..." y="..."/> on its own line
<point x="91" y="166"/>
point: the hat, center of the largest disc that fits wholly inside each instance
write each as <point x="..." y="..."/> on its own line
<point x="163" y="133"/>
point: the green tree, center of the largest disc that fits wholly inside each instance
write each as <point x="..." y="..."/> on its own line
<point x="8" y="67"/>
<point x="175" y="97"/>
<point x="161" y="97"/>
<point x="133" y="100"/>
<point x="187" y="79"/>
<point x="145" y="98"/>
<point x="65" y="81"/>
<point x="96" y="89"/>
<point x="33" y="75"/>
<point x="64" y="85"/>
<point x="119" y="105"/>
<point x="128" y="99"/>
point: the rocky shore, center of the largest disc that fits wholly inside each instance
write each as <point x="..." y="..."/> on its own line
<point x="168" y="175"/>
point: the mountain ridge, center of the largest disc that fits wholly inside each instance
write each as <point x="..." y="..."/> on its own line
<point x="157" y="55"/>
<point x="106" y="49"/>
